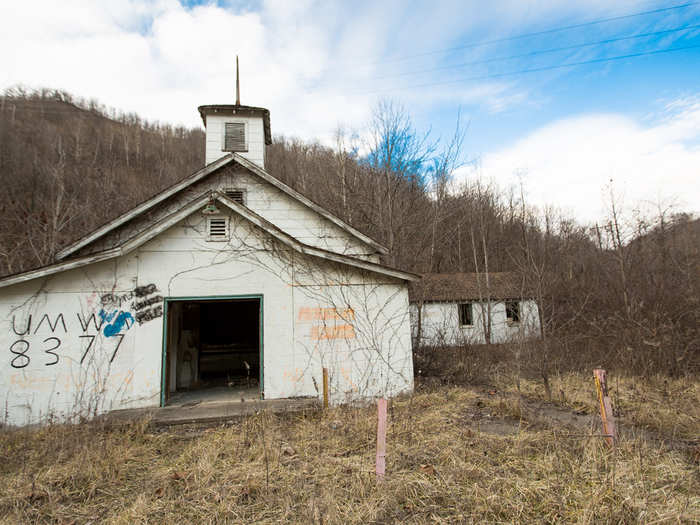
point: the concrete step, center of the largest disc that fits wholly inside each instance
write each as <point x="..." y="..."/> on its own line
<point x="209" y="412"/>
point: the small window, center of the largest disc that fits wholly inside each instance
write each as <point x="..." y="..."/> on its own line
<point x="235" y="195"/>
<point x="217" y="228"/>
<point x="465" y="314"/>
<point x="513" y="311"/>
<point x="234" y="137"/>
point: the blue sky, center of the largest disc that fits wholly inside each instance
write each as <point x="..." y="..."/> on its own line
<point x="562" y="132"/>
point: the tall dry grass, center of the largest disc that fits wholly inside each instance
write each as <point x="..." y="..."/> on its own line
<point x="455" y="455"/>
<point x="667" y="407"/>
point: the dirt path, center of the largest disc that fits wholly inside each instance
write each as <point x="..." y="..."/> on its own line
<point x="536" y="413"/>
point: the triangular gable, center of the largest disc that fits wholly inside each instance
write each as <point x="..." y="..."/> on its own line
<point x="191" y="207"/>
<point x="201" y="174"/>
<point x="306" y="249"/>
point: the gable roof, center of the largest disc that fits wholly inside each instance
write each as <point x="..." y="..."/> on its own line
<point x="130" y="244"/>
<point x="466" y="286"/>
<point x="306" y="249"/>
<point x="199" y="175"/>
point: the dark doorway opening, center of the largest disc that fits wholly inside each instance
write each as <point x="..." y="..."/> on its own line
<point x="213" y="350"/>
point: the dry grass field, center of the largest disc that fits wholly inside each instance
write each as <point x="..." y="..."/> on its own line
<point x="456" y="454"/>
<point x="666" y="408"/>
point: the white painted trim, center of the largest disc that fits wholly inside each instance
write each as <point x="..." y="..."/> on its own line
<point x="145" y="206"/>
<point x="318" y="209"/>
<point x="294" y="243"/>
<point x="128" y="246"/>
<point x="138" y="240"/>
<point x="198" y="175"/>
<point x="59" y="267"/>
<point x="165" y="223"/>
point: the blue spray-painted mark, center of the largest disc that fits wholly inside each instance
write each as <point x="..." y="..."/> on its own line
<point x="122" y="319"/>
<point x="107" y="317"/>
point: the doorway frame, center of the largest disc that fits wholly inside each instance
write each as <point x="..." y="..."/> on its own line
<point x="213" y="298"/>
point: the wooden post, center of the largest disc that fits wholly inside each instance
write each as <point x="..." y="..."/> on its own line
<point x="606" y="413"/>
<point x="325" y="388"/>
<point x="381" y="438"/>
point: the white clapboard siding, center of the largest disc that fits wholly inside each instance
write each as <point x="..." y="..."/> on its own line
<point x="255" y="138"/>
<point x="179" y="262"/>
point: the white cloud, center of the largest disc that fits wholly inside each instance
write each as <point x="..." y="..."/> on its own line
<point x="570" y="162"/>
<point x="305" y="62"/>
<point x="161" y="59"/>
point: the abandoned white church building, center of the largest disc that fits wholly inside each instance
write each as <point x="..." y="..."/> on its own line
<point x="227" y="279"/>
<point x="468" y="308"/>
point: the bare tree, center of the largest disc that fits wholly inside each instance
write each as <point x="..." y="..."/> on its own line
<point x="398" y="155"/>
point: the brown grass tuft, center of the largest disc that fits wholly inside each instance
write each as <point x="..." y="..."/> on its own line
<point x="455" y="454"/>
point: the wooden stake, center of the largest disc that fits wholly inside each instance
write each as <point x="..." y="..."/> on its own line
<point x="325" y="388"/>
<point x="381" y="438"/>
<point x="606" y="413"/>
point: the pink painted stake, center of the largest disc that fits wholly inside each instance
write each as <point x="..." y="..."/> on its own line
<point x="381" y="437"/>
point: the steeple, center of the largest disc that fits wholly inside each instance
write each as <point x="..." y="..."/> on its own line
<point x="238" y="85"/>
<point x="244" y="130"/>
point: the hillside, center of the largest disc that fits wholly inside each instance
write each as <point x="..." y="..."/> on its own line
<point x="631" y="283"/>
<point x="70" y="165"/>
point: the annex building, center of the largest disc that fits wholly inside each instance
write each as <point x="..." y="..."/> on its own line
<point x="449" y="309"/>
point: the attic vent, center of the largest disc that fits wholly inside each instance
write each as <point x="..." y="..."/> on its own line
<point x="236" y="195"/>
<point x="234" y="137"/>
<point x="217" y="228"/>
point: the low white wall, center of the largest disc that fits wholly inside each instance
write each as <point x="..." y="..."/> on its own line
<point x="440" y="323"/>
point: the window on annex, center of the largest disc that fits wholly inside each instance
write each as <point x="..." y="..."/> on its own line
<point x="465" y="314"/>
<point x="513" y="311"/>
<point x="235" y="137"/>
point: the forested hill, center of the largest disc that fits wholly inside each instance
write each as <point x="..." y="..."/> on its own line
<point x="628" y="283"/>
<point x="69" y="165"/>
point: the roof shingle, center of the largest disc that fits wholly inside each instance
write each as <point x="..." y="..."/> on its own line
<point x="467" y="286"/>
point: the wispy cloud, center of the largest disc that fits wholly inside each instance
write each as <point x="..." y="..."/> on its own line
<point x="315" y="64"/>
<point x="571" y="162"/>
<point x="162" y="58"/>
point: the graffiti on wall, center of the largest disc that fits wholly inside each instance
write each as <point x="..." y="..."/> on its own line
<point x="52" y="333"/>
<point x="326" y="314"/>
<point x="343" y="331"/>
<point x="146" y="304"/>
<point x="323" y="329"/>
<point x="41" y="341"/>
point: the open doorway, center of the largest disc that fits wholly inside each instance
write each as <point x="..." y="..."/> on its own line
<point x="213" y="350"/>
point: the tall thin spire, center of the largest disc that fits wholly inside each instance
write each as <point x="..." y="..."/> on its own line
<point x="238" y="85"/>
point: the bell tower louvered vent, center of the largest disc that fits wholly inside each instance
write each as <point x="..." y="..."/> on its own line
<point x="235" y="137"/>
<point x="217" y="228"/>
